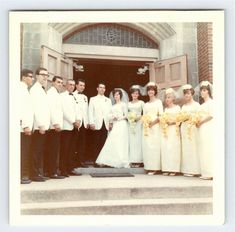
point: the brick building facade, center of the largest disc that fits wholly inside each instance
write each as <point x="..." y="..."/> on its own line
<point x="205" y="51"/>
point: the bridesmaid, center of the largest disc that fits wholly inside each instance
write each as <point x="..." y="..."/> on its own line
<point x="170" y="144"/>
<point x="135" y="128"/>
<point x="190" y="159"/>
<point x="206" y="132"/>
<point x="151" y="141"/>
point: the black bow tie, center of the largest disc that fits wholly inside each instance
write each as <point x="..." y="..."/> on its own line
<point x="71" y="94"/>
<point x="79" y="93"/>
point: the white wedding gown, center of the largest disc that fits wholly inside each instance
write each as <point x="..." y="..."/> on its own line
<point x="206" y="140"/>
<point x="115" y="150"/>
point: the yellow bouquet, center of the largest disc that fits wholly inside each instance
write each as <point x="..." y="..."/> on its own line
<point x="182" y="116"/>
<point x="164" y="120"/>
<point x="194" y="118"/>
<point x="146" y="120"/>
<point x="132" y="118"/>
<point x="167" y="118"/>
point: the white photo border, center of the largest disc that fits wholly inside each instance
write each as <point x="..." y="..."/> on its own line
<point x="18" y="17"/>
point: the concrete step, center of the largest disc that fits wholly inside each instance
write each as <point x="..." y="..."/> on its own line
<point x="166" y="206"/>
<point x="91" y="170"/>
<point x="104" y="193"/>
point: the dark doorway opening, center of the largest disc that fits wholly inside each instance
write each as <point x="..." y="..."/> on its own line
<point x="114" y="74"/>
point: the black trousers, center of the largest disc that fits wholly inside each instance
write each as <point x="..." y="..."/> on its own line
<point x="38" y="148"/>
<point x="99" y="138"/>
<point x="65" y="151"/>
<point x="81" y="145"/>
<point x="52" y="150"/>
<point x="25" y="142"/>
<point x="75" y="162"/>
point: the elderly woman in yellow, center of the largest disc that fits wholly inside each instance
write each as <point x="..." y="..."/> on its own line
<point x="190" y="165"/>
<point x="170" y="136"/>
<point x="205" y="126"/>
<point x="151" y="131"/>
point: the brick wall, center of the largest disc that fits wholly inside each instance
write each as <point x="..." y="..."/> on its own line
<point x="205" y="58"/>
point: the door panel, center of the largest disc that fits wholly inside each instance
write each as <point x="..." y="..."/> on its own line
<point x="170" y="72"/>
<point x="56" y="64"/>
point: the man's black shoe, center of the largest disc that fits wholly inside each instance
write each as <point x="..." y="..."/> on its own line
<point x="75" y="174"/>
<point x="55" y="176"/>
<point x="25" y="180"/>
<point x="65" y="174"/>
<point x="45" y="177"/>
<point x="38" y="179"/>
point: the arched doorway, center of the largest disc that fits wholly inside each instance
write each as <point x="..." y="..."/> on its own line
<point x="112" y="54"/>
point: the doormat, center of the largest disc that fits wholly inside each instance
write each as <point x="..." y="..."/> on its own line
<point x="111" y="175"/>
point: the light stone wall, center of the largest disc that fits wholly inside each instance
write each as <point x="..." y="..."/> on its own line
<point x="183" y="42"/>
<point x="34" y="36"/>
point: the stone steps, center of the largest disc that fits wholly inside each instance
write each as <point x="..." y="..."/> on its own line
<point x="166" y="206"/>
<point x="115" y="194"/>
<point x="141" y="194"/>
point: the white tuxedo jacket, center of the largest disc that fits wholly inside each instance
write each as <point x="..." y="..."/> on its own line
<point x="82" y="102"/>
<point x="40" y="106"/>
<point x="69" y="110"/>
<point x="99" y="109"/>
<point x="55" y="105"/>
<point x="26" y="107"/>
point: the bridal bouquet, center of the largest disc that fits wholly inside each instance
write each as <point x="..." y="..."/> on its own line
<point x="132" y="117"/>
<point x="146" y="120"/>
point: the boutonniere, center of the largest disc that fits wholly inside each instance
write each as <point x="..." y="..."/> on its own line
<point x="85" y="100"/>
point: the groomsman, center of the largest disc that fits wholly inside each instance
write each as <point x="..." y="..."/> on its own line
<point x="70" y="121"/>
<point x="83" y="109"/>
<point x="99" y="109"/>
<point x="26" y="123"/>
<point x="41" y="122"/>
<point x="56" y="125"/>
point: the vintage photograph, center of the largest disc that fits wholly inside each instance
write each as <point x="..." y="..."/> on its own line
<point x="117" y="114"/>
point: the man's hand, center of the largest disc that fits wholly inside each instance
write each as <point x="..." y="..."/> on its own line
<point x="27" y="131"/>
<point x="42" y="130"/>
<point x="92" y="126"/>
<point x="110" y="126"/>
<point x="57" y="127"/>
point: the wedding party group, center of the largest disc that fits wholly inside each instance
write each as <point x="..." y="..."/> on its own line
<point x="170" y="140"/>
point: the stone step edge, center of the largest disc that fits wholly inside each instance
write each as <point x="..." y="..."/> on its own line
<point x="111" y="188"/>
<point x="111" y="203"/>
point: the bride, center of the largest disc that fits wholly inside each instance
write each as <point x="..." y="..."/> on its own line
<point x="115" y="152"/>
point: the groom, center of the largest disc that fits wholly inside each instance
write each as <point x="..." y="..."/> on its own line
<point x="99" y="108"/>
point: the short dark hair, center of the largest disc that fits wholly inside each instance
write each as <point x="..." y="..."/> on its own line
<point x="132" y="90"/>
<point x="70" y="80"/>
<point x="152" y="87"/>
<point x="25" y="72"/>
<point x="189" y="90"/>
<point x="117" y="91"/>
<point x="39" y="70"/>
<point x="56" y="77"/>
<point x="207" y="88"/>
<point x="101" y="83"/>
<point x="80" y="80"/>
